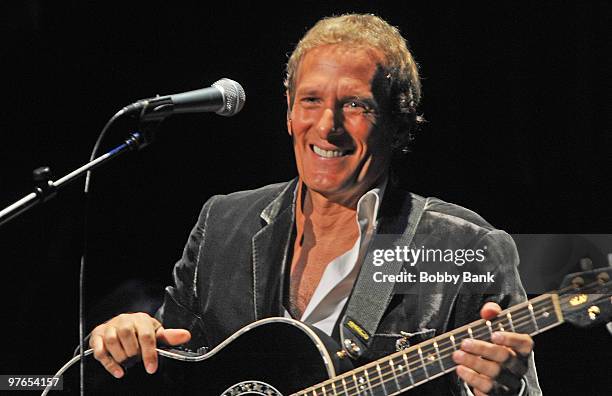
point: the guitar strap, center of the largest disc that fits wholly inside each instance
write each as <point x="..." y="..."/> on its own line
<point x="370" y="299"/>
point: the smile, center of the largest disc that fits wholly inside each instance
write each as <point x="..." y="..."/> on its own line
<point x="329" y="153"/>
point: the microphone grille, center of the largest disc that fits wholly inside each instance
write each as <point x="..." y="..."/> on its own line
<point x="233" y="96"/>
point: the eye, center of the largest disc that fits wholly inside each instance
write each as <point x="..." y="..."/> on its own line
<point x="309" y="101"/>
<point x="357" y="107"/>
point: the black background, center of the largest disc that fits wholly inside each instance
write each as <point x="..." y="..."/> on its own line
<point x="514" y="95"/>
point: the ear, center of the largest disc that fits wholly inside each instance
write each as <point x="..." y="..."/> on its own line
<point x="289" y="126"/>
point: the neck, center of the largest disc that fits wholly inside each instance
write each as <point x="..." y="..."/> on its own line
<point x="321" y="219"/>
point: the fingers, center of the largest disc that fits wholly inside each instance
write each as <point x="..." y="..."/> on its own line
<point x="97" y="344"/>
<point x="476" y="363"/>
<point x="491" y="352"/>
<point x="479" y="393"/>
<point x="476" y="380"/>
<point x="130" y="335"/>
<point x="128" y="340"/>
<point x="145" y="330"/>
<point x="173" y="336"/>
<point x="490" y="310"/>
<point x="521" y="343"/>
<point x="113" y="345"/>
<point x="485" y="365"/>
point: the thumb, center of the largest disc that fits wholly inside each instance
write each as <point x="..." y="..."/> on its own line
<point x="172" y="336"/>
<point x="490" y="310"/>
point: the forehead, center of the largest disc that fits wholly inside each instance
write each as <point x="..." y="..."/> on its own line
<point x="338" y="63"/>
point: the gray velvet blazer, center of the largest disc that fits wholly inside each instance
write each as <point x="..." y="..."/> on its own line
<point x="233" y="270"/>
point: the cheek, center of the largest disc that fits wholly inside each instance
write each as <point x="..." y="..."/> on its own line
<point x="303" y="119"/>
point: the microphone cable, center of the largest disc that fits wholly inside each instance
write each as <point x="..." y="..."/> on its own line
<point x="94" y="153"/>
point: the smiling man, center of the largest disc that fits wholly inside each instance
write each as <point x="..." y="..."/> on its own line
<point x="297" y="248"/>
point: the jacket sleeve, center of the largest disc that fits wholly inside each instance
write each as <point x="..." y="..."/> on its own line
<point x="502" y="259"/>
<point x="181" y="300"/>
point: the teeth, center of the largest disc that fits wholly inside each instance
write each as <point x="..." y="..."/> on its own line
<point x="327" y="153"/>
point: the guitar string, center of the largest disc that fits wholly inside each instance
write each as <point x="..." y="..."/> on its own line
<point x="387" y="376"/>
<point x="518" y="321"/>
<point x="496" y="321"/>
<point x="389" y="373"/>
<point x="417" y="360"/>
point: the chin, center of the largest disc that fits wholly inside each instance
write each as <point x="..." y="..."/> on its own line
<point x="327" y="187"/>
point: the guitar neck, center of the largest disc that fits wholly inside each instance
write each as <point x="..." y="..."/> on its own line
<point x="418" y="364"/>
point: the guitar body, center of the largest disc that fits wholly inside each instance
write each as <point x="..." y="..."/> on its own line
<point x="275" y="356"/>
<point x="280" y="356"/>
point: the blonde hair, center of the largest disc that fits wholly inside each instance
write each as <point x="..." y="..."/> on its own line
<point x="369" y="31"/>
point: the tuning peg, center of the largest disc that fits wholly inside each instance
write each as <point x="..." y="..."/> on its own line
<point x="578" y="282"/>
<point x="603" y="277"/>
<point x="586" y="264"/>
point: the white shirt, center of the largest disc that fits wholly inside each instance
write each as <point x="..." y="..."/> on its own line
<point x="334" y="288"/>
<point x="340" y="274"/>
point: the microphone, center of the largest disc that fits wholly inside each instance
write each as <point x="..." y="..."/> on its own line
<point x="225" y="97"/>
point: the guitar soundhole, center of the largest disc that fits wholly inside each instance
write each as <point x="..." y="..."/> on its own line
<point x="251" y="388"/>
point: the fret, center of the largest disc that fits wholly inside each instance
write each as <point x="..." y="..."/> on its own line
<point x="435" y="344"/>
<point x="452" y="338"/>
<point x="500" y="325"/>
<point x="496" y="325"/>
<point x="428" y="361"/>
<point x="382" y="380"/>
<point x="367" y="380"/>
<point x="423" y="362"/>
<point x="429" y="353"/>
<point x="557" y="307"/>
<point x="548" y="316"/>
<point x="405" y="356"/>
<point x="545" y="313"/>
<point x="446" y="358"/>
<point x="459" y="337"/>
<point x="358" y="384"/>
<point x="509" y="316"/>
<point x="392" y="365"/>
<point x="535" y="322"/>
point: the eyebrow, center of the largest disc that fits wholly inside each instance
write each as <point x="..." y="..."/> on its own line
<point x="307" y="91"/>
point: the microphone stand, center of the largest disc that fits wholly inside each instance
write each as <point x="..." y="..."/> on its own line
<point x="47" y="188"/>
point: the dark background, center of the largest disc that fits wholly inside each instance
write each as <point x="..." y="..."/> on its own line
<point x="514" y="94"/>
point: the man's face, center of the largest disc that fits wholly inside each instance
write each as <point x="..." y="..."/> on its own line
<point x="340" y="137"/>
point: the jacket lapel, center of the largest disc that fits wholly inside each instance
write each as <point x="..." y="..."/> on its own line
<point x="270" y="249"/>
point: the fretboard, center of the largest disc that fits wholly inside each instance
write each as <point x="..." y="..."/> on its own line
<point x="420" y="363"/>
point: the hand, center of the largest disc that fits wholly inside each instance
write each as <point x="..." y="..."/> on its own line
<point x="494" y="367"/>
<point x="129" y="335"/>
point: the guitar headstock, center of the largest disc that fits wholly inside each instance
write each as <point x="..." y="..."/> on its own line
<point x="586" y="297"/>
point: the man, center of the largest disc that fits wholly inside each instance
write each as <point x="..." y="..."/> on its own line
<point x="297" y="248"/>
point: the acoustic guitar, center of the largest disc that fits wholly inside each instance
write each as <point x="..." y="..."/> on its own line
<point x="281" y="356"/>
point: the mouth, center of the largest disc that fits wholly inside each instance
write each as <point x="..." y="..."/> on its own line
<point x="329" y="153"/>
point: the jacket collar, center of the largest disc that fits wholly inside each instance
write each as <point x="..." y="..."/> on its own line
<point x="270" y="262"/>
<point x="270" y="250"/>
<point x="284" y="199"/>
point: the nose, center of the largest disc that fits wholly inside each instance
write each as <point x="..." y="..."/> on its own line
<point x="328" y="124"/>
